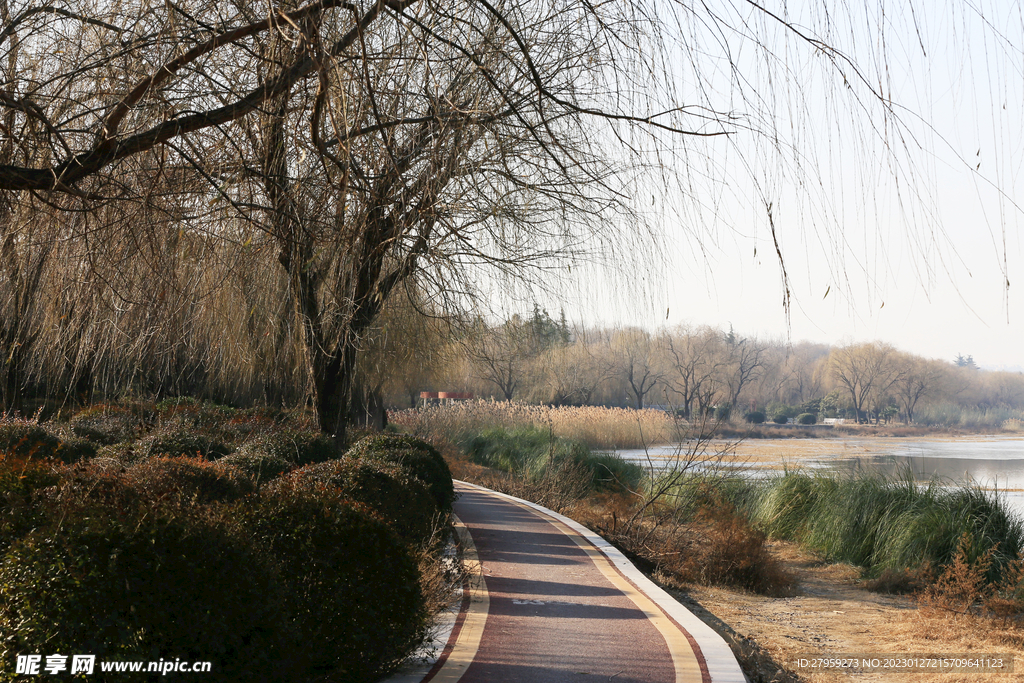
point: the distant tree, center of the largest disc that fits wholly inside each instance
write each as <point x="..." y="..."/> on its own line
<point x="502" y="354"/>
<point x="635" y="358"/>
<point x="695" y="359"/>
<point x="915" y="379"/>
<point x="864" y="371"/>
<point x="965" y="362"/>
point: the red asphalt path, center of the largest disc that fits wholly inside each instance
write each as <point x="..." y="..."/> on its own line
<point x="556" y="603"/>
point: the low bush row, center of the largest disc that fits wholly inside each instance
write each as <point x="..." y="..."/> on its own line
<point x="284" y="560"/>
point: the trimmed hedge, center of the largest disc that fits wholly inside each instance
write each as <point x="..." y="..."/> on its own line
<point x="171" y="559"/>
<point x="390" y="490"/>
<point x="183" y="441"/>
<point x="30" y="440"/>
<point x="107" y="424"/>
<point x="188" y="481"/>
<point x="154" y="588"/>
<point x="806" y="418"/>
<point x="259" y="466"/>
<point x="353" y="588"/>
<point x="419" y="457"/>
<point x="755" y="417"/>
<point x="298" y="446"/>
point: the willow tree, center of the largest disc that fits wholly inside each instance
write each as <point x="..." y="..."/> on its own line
<point x="355" y="145"/>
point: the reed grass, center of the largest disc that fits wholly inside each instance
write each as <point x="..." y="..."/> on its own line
<point x="884" y="523"/>
<point x="532" y="454"/>
<point x="597" y="427"/>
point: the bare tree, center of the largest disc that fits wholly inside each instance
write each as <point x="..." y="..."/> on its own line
<point x="865" y="372"/>
<point x="696" y="358"/>
<point x="337" y="149"/>
<point x="635" y="354"/>
<point x="503" y="353"/>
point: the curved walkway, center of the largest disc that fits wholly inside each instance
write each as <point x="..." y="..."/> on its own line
<point x="548" y="600"/>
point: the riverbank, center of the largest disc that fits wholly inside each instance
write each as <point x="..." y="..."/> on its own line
<point x="832" y="613"/>
<point x="809" y="606"/>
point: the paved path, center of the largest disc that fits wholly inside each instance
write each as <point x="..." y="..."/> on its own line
<point x="550" y="601"/>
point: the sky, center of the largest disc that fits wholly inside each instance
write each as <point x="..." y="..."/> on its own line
<point x="905" y="232"/>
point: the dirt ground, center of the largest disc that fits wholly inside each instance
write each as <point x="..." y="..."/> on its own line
<point x="831" y="615"/>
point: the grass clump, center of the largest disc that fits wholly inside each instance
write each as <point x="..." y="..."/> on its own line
<point x="887" y="523"/>
<point x="530" y="452"/>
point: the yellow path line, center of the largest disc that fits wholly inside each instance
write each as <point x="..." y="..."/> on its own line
<point x="468" y="641"/>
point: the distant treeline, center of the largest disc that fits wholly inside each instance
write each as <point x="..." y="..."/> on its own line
<point x="700" y="370"/>
<point x="69" y="342"/>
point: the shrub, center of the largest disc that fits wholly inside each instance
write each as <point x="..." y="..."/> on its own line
<point x="754" y="417"/>
<point x="728" y="551"/>
<point x="780" y="419"/>
<point x="29" y="440"/>
<point x="24" y="475"/>
<point x="301" y="447"/>
<point x="397" y="497"/>
<point x="182" y="441"/>
<point x="188" y="481"/>
<point x="258" y="465"/>
<point x="806" y="418"/>
<point x="353" y="588"/>
<point x="723" y="411"/>
<point x="419" y="457"/>
<point x="150" y="589"/>
<point x="107" y="424"/>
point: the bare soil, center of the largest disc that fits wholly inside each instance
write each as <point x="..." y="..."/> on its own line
<point x="832" y="614"/>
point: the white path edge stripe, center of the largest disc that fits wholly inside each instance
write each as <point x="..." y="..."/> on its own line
<point x="721" y="663"/>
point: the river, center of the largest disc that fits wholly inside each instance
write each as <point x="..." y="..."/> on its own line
<point x="992" y="462"/>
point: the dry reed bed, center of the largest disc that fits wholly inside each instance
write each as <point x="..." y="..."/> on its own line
<point x="598" y="427"/>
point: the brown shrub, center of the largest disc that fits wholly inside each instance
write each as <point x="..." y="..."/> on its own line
<point x="905" y="581"/>
<point x="962" y="584"/>
<point x="724" y="549"/>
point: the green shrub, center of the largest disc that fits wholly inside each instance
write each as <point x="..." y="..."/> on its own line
<point x="259" y="466"/>
<point x="298" y="446"/>
<point x="353" y="588"/>
<point x="188" y="481"/>
<point x="107" y="424"/>
<point x="178" y="441"/>
<point x="154" y="588"/>
<point x="24" y="475"/>
<point x="806" y="418"/>
<point x="723" y="411"/>
<point x="422" y="460"/>
<point x="755" y="417"/>
<point x="398" y="498"/>
<point x="781" y="419"/>
<point x="30" y="440"/>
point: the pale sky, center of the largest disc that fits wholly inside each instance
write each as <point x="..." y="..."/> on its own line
<point x="917" y="256"/>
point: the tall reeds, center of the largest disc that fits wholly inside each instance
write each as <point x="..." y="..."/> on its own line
<point x="598" y="427"/>
<point x="886" y="523"/>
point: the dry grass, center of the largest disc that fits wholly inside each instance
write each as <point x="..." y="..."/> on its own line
<point x="598" y="427"/>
